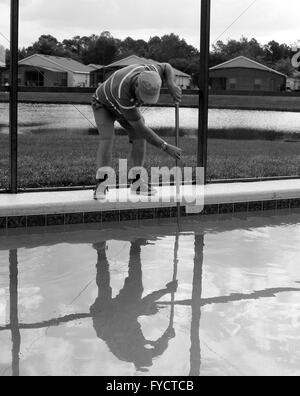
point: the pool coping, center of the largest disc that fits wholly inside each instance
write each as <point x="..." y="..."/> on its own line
<point x="43" y="209"/>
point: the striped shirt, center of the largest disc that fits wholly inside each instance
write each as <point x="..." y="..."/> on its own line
<point x="118" y="91"/>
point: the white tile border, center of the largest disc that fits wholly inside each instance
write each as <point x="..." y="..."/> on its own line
<point x="42" y="203"/>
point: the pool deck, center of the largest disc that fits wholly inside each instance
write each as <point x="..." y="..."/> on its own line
<point x="76" y="207"/>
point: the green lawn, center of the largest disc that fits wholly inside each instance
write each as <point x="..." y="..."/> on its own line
<point x="68" y="159"/>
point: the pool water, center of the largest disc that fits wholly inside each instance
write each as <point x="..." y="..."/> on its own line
<point x="211" y="298"/>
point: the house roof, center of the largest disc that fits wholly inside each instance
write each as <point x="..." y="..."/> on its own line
<point x="131" y="60"/>
<point x="55" y="63"/>
<point x="94" y="67"/>
<point x="180" y="73"/>
<point x="136" y="60"/>
<point x="244" y="63"/>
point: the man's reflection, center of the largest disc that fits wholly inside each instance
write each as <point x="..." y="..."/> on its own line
<point x="116" y="319"/>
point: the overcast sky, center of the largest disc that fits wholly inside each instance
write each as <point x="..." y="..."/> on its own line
<point x="265" y="20"/>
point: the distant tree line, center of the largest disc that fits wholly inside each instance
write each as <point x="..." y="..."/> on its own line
<point x="105" y="49"/>
<point x="275" y="55"/>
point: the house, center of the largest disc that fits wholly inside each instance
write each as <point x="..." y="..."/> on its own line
<point x="2" y="60"/>
<point x="2" y="69"/>
<point x="51" y="71"/>
<point x="243" y="74"/>
<point x="293" y="83"/>
<point x="2" y="56"/>
<point x="97" y="76"/>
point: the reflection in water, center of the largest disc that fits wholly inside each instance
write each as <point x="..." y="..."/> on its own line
<point x="115" y="320"/>
<point x="196" y="305"/>
<point x="13" y="293"/>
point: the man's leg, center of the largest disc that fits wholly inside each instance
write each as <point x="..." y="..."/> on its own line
<point x="105" y="124"/>
<point x="137" y="159"/>
<point x="102" y="278"/>
<point x="138" y="152"/>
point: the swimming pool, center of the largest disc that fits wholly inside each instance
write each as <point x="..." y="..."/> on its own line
<point x="213" y="298"/>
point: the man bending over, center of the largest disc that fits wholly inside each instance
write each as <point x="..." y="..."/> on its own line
<point x="119" y="99"/>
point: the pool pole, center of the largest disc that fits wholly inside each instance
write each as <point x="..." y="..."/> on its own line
<point x="175" y="273"/>
<point x="14" y="306"/>
<point x="195" y="350"/>
<point x="203" y="85"/>
<point x="13" y="100"/>
<point x="177" y="161"/>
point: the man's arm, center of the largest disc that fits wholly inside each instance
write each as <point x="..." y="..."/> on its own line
<point x="170" y="78"/>
<point x="157" y="295"/>
<point x="151" y="137"/>
<point x="147" y="133"/>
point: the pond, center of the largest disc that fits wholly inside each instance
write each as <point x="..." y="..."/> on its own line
<point x="46" y="117"/>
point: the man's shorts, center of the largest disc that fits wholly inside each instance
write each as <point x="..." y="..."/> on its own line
<point x="117" y="117"/>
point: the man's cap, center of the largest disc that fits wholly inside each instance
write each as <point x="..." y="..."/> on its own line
<point x="149" y="83"/>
